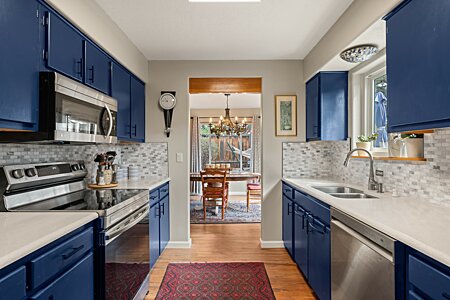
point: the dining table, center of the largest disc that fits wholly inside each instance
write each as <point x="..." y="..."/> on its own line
<point x="232" y="176"/>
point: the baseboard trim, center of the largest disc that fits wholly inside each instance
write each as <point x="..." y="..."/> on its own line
<point x="271" y="244"/>
<point x="179" y="244"/>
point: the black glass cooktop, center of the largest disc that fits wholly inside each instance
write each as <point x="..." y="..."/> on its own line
<point x="85" y="200"/>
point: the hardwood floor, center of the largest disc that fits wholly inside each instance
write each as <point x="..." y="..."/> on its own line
<point x="235" y="243"/>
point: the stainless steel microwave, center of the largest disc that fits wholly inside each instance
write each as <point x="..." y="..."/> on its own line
<point x="70" y="112"/>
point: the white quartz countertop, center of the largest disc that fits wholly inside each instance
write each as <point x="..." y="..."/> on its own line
<point x="420" y="224"/>
<point x="148" y="184"/>
<point x="22" y="233"/>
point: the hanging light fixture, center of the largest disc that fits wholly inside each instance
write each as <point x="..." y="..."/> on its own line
<point x="226" y="126"/>
<point x="359" y="53"/>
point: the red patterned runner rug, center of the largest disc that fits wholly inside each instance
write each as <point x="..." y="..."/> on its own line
<point x="214" y="281"/>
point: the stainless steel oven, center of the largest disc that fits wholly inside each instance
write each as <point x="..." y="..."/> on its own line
<point x="126" y="254"/>
<point x="70" y="112"/>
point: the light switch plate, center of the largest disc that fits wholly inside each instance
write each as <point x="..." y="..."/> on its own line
<point x="179" y="157"/>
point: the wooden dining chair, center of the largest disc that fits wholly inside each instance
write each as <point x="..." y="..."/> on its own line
<point x="253" y="193"/>
<point x="214" y="189"/>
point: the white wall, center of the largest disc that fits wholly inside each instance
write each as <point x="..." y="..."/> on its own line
<point x="279" y="78"/>
<point x="355" y="21"/>
<point x="94" y="22"/>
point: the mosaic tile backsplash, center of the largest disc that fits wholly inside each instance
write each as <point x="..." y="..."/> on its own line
<point x="428" y="180"/>
<point x="151" y="158"/>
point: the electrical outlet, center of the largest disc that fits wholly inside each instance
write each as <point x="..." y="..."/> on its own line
<point x="379" y="173"/>
<point x="179" y="157"/>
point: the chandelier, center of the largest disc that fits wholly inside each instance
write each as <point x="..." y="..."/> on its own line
<point x="359" y="54"/>
<point x="226" y="126"/>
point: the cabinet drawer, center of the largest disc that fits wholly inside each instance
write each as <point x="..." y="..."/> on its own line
<point x="288" y="191"/>
<point x="62" y="256"/>
<point x="163" y="191"/>
<point x="154" y="197"/>
<point x="427" y="279"/>
<point x="77" y="283"/>
<point x="13" y="285"/>
<point x="315" y="207"/>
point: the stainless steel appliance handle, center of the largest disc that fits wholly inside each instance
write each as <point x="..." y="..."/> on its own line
<point x="110" y="121"/>
<point x="137" y="217"/>
<point x="381" y="251"/>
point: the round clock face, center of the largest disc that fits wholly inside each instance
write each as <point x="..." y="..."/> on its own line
<point x="167" y="101"/>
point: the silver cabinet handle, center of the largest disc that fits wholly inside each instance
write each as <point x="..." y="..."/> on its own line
<point x="110" y="121"/>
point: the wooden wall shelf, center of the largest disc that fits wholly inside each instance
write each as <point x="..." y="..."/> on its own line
<point x="393" y="158"/>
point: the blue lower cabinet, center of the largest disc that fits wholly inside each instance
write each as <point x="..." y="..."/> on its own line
<point x="307" y="238"/>
<point x="77" y="283"/>
<point x="164" y="224"/>
<point x="319" y="258"/>
<point x="154" y="234"/>
<point x="301" y="239"/>
<point x="63" y="269"/>
<point x="427" y="279"/>
<point x="159" y="222"/>
<point x="14" y="284"/>
<point x="288" y="229"/>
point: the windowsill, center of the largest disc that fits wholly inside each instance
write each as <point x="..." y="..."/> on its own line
<point x="393" y="158"/>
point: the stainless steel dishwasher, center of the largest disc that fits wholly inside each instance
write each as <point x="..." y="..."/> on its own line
<point x="362" y="260"/>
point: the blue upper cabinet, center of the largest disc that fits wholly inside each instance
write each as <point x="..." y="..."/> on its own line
<point x="64" y="52"/>
<point x="418" y="65"/>
<point x="121" y="91"/>
<point x="97" y="68"/>
<point x="137" y="110"/>
<point x="327" y="107"/>
<point x="19" y="65"/>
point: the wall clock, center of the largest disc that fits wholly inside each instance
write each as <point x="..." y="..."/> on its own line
<point x="167" y="101"/>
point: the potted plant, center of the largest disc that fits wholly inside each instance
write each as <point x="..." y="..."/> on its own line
<point x="365" y="142"/>
<point x="414" y="144"/>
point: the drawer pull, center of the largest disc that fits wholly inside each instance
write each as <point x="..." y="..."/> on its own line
<point x="73" y="252"/>
<point x="153" y="197"/>
<point x="445" y="295"/>
<point x="164" y="190"/>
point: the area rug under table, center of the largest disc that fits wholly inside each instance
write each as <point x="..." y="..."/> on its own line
<point x="215" y="281"/>
<point x="235" y="213"/>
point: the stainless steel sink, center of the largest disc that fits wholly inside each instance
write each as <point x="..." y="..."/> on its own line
<point x="352" y="196"/>
<point x="344" y="192"/>
<point x="337" y="189"/>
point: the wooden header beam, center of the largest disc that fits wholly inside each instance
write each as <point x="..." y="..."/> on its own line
<point x="225" y="85"/>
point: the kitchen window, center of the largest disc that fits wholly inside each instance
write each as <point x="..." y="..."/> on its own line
<point x="376" y="107"/>
<point x="230" y="149"/>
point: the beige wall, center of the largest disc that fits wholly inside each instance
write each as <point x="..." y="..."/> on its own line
<point x="240" y="112"/>
<point x="95" y="23"/>
<point x="357" y="18"/>
<point x="279" y="78"/>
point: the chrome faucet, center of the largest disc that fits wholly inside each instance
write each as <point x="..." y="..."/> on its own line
<point x="373" y="184"/>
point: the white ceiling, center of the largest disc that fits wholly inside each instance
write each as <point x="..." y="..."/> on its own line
<point x="214" y="101"/>
<point x="179" y="30"/>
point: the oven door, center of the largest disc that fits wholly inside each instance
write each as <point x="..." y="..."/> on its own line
<point x="127" y="257"/>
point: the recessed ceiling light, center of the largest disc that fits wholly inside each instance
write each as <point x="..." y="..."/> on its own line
<point x="224" y="1"/>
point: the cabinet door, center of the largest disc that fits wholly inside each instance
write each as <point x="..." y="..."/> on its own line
<point x="154" y="234"/>
<point x="19" y="65"/>
<point x="121" y="91"/>
<point x="77" y="283"/>
<point x="301" y="239"/>
<point x="319" y="253"/>
<point x="97" y="68"/>
<point x="137" y="110"/>
<point x="333" y="106"/>
<point x="288" y="230"/>
<point x="64" y="47"/>
<point x="313" y="109"/>
<point x="164" y="224"/>
<point x="418" y="66"/>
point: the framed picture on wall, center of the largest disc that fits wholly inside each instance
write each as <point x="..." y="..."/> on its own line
<point x="286" y="115"/>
